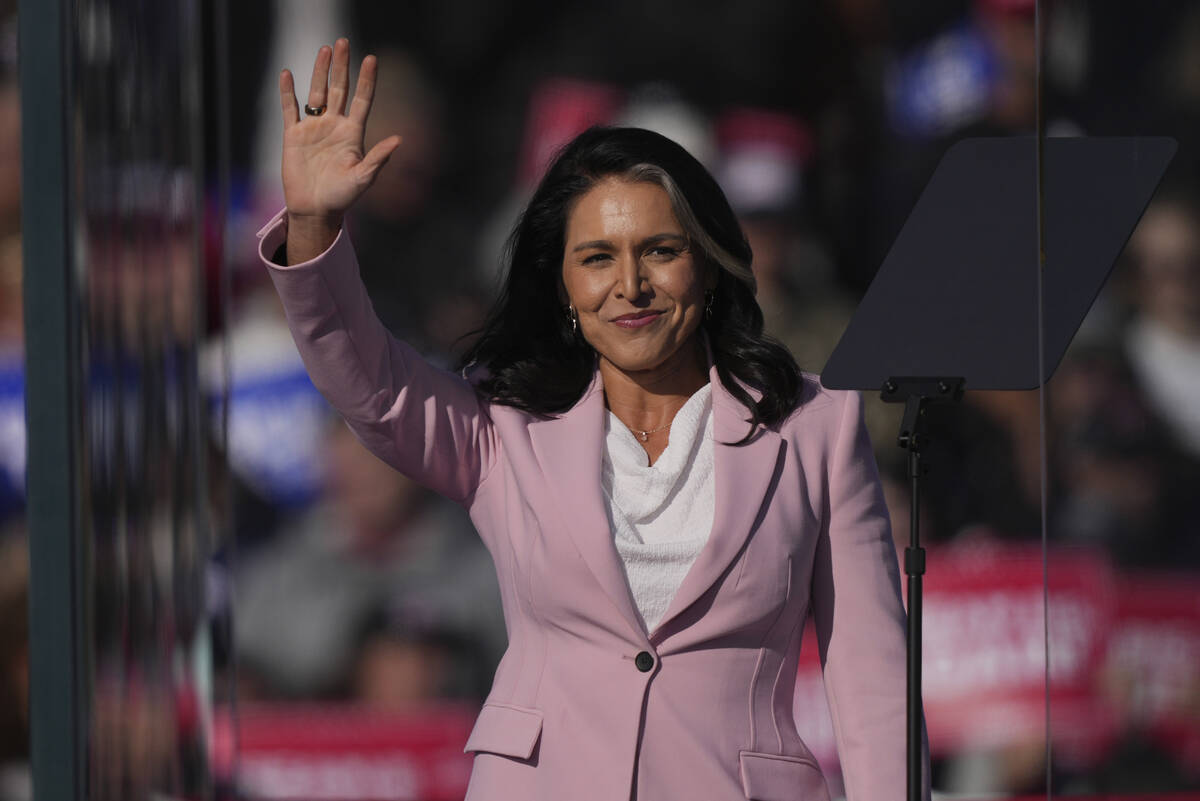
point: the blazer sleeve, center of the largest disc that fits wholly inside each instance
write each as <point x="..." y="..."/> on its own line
<point x="860" y="620"/>
<point x="427" y="423"/>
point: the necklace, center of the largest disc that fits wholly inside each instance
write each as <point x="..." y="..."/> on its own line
<point x="645" y="435"/>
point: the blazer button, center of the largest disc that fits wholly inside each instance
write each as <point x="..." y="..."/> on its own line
<point x="644" y="661"/>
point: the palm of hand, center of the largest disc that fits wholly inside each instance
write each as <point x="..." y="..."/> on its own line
<point x="322" y="161"/>
<point x="324" y="168"/>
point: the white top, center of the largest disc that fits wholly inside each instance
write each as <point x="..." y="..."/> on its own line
<point x="1169" y="368"/>
<point x="661" y="514"/>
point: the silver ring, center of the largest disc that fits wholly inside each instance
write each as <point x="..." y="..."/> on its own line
<point x="315" y="112"/>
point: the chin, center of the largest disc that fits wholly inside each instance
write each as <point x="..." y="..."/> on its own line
<point x="638" y="362"/>
<point x="649" y="354"/>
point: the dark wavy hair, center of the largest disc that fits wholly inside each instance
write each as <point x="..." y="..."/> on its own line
<point x="536" y="362"/>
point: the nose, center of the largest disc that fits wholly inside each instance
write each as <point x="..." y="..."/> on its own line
<point x="632" y="279"/>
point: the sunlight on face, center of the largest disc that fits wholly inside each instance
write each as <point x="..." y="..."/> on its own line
<point x="628" y="270"/>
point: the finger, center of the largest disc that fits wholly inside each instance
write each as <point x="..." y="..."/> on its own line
<point x="317" y="90"/>
<point x="376" y="157"/>
<point x="339" y="78"/>
<point x="287" y="99"/>
<point x="364" y="91"/>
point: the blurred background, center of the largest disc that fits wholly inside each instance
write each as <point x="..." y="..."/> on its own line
<point x="267" y="611"/>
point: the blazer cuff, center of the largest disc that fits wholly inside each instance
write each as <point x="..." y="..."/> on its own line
<point x="272" y="245"/>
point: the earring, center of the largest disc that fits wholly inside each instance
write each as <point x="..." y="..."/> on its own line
<point x="709" y="295"/>
<point x="574" y="317"/>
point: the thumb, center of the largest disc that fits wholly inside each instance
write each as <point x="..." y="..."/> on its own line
<point x="375" y="159"/>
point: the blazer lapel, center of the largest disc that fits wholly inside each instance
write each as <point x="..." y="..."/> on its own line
<point x="743" y="475"/>
<point x="569" y="448"/>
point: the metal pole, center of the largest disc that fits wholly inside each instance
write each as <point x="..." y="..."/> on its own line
<point x="57" y="630"/>
<point x="914" y="565"/>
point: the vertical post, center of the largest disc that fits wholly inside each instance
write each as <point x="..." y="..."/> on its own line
<point x="912" y="433"/>
<point x="57" y="640"/>
<point x="914" y="566"/>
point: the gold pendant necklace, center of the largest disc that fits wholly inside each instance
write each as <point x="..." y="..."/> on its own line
<point x="645" y="435"/>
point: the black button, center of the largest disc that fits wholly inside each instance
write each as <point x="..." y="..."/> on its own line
<point x="644" y="661"/>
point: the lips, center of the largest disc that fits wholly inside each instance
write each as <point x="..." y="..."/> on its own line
<point x="637" y="319"/>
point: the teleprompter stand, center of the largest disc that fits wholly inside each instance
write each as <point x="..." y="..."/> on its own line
<point x="916" y="394"/>
<point x="963" y="301"/>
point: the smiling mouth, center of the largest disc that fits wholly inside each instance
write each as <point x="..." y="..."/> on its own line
<point x="638" y="319"/>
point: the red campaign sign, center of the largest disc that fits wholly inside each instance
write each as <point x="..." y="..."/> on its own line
<point x="1152" y="672"/>
<point x="983" y="660"/>
<point x="348" y="753"/>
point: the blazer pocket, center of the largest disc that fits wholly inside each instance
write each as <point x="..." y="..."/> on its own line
<point x="506" y="730"/>
<point x="770" y="777"/>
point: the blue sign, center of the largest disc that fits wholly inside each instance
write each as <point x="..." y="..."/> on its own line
<point x="12" y="437"/>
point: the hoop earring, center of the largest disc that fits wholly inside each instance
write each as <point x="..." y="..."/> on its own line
<point x="709" y="295"/>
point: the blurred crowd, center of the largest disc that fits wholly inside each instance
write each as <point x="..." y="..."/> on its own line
<point x="822" y="120"/>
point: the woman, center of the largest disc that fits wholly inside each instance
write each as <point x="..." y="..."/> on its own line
<point x="666" y="497"/>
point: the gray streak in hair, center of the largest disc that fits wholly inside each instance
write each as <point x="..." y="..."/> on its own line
<point x="650" y="173"/>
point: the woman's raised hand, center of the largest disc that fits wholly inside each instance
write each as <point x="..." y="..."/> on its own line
<point x="324" y="166"/>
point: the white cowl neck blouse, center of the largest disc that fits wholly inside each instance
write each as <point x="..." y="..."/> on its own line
<point x="661" y="515"/>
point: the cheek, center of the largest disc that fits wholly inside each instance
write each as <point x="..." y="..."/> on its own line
<point x="586" y="289"/>
<point x="686" y="287"/>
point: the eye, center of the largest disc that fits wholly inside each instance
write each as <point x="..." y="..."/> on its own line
<point x="595" y="258"/>
<point x="662" y="253"/>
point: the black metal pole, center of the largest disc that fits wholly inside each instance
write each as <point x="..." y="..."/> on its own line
<point x="57" y="647"/>
<point x="914" y="566"/>
<point x="911" y="439"/>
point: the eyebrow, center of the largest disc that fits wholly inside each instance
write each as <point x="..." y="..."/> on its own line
<point x="604" y="244"/>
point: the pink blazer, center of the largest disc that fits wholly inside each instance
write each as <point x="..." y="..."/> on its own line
<point x="586" y="705"/>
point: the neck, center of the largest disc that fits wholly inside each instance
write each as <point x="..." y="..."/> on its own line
<point x="647" y="399"/>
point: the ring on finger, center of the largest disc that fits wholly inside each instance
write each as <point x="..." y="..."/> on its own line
<point x="315" y="111"/>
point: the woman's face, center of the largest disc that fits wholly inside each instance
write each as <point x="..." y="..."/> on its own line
<point x="628" y="271"/>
